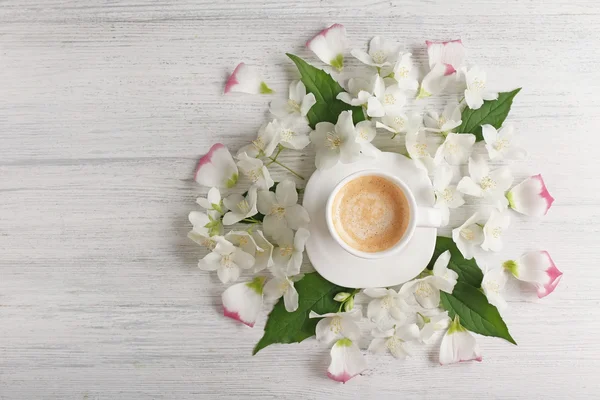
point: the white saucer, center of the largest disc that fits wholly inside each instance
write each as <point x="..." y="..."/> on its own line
<point x="340" y="267"/>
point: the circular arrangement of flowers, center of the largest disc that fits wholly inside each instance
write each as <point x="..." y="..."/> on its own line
<point x="267" y="229"/>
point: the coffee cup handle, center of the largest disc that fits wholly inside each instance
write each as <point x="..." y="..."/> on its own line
<point x="429" y="217"/>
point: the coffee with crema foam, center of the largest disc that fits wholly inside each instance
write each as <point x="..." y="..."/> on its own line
<point x="370" y="213"/>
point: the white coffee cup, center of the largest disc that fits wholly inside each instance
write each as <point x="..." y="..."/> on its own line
<point x="418" y="216"/>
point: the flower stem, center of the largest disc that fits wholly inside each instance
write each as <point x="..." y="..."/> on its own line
<point x="273" y="160"/>
<point x="251" y="220"/>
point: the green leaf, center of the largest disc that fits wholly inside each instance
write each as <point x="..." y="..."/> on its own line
<point x="467" y="270"/>
<point x="325" y="88"/>
<point x="476" y="314"/>
<point x="316" y="294"/>
<point x="492" y="112"/>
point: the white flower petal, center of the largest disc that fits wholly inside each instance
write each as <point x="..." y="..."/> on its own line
<point x="327" y="329"/>
<point x="492" y="284"/>
<point x="441" y="263"/>
<point x="489" y="133"/>
<point x="378" y="345"/>
<point x="320" y="135"/>
<point x="286" y="193"/>
<point x="442" y="177"/>
<point x="228" y="274"/>
<point x="243" y="240"/>
<point x="204" y="203"/>
<point x="467" y="186"/>
<point x="274" y="226"/>
<point x="468" y="236"/>
<point x="346" y="361"/>
<point x="344" y="125"/>
<point x="375" y="293"/>
<point x="325" y="159"/>
<point x="456" y="149"/>
<point x="199" y="220"/>
<point x="451" y="117"/>
<point x="223" y="246"/>
<point x="300" y="239"/>
<point x="256" y="171"/>
<point x="362" y="56"/>
<point x="296" y="216"/>
<point x="294" y="132"/>
<point x="458" y="345"/>
<point x="478" y="168"/>
<point x="243" y="301"/>
<point x="294" y="264"/>
<point x="202" y="240"/>
<point x="266" y="201"/>
<point x="217" y="168"/>
<point x="240" y="207"/>
<point x="473" y="99"/>
<point x="365" y="131"/>
<point x="281" y="108"/>
<point x="375" y="108"/>
<point x="275" y="288"/>
<point x="393" y="100"/>
<point x="349" y="151"/>
<point x="493" y="230"/>
<point x="290" y="298"/>
<point x="397" y="347"/>
<point x="434" y="82"/>
<point x="243" y="259"/>
<point x="210" y="262"/>
<point x="503" y="179"/>
<point x="297" y="91"/>
<point x="264" y="258"/>
<point x="426" y="294"/>
<point x="430" y="322"/>
<point x="307" y="103"/>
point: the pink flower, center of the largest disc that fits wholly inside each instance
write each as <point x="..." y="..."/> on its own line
<point x="246" y="80"/>
<point x="329" y="45"/>
<point x="537" y="268"/>
<point x="243" y="301"/>
<point x="217" y="168"/>
<point x="450" y="53"/>
<point x="530" y="197"/>
<point x="445" y="58"/>
<point x="346" y="361"/>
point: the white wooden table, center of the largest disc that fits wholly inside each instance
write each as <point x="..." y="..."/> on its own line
<point x="105" y="108"/>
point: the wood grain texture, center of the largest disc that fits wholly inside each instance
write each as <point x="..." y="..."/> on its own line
<point x="105" y="107"/>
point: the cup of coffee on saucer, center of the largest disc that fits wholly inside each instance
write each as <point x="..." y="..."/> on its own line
<point x="373" y="214"/>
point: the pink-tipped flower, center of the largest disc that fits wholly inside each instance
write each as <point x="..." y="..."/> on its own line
<point x="243" y="301"/>
<point x="530" y="197"/>
<point x="246" y="80"/>
<point x="217" y="168"/>
<point x="450" y="53"/>
<point x="538" y="268"/>
<point x="458" y="345"/>
<point x="445" y="58"/>
<point x="329" y="45"/>
<point x="346" y="361"/>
